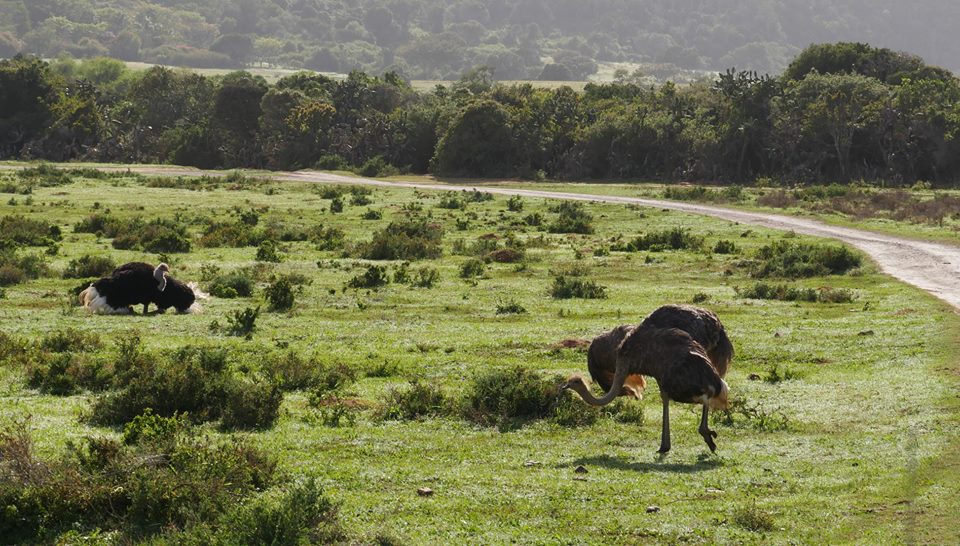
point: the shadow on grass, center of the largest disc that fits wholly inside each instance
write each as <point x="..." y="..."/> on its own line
<point x="704" y="462"/>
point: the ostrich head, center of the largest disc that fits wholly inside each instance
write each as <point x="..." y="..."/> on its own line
<point x="721" y="400"/>
<point x="160" y="274"/>
<point x="177" y="295"/>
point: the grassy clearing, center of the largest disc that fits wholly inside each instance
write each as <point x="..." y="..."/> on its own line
<point x="849" y="448"/>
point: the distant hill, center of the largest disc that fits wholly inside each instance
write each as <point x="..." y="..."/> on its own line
<point x="433" y="39"/>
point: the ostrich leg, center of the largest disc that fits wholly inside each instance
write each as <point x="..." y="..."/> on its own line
<point x="145" y="307"/>
<point x="708" y="435"/>
<point x="665" y="432"/>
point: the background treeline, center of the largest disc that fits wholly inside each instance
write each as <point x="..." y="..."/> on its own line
<point x="839" y="112"/>
<point x="434" y="39"/>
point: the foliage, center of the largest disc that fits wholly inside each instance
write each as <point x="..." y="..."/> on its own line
<point x="572" y="218"/>
<point x="88" y="266"/>
<point x="280" y="294"/>
<point x="790" y="259"/>
<point x="374" y="277"/>
<point x="566" y="288"/>
<point x="657" y="241"/>
<point x="412" y="239"/>
<point x="242" y="323"/>
<point x="504" y="397"/>
<point x="418" y="400"/>
<point x="232" y="285"/>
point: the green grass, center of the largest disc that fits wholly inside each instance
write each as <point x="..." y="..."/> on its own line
<point x="868" y="454"/>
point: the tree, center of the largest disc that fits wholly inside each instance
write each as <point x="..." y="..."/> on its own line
<point x="479" y="142"/>
<point x="28" y="94"/>
<point x="236" y="116"/>
<point x="238" y="47"/>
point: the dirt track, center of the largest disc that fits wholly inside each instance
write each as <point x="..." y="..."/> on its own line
<point x="934" y="267"/>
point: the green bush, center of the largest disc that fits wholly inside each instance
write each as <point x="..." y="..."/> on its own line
<point x="269" y="251"/>
<point x="24" y="231"/>
<point x="250" y="405"/>
<point x="510" y="307"/>
<point x="374" y="277"/>
<point x="724" y="247"/>
<point x="329" y="238"/>
<point x="573" y="218"/>
<point x="242" y="323"/>
<point x="567" y="288"/>
<point x="425" y="277"/>
<point x="411" y="239"/>
<point x="504" y="397"/>
<point x="232" y="285"/>
<point x="472" y="268"/>
<point x="671" y="239"/>
<point x="790" y="259"/>
<point x="416" y="401"/>
<point x="781" y="292"/>
<point x="89" y="266"/>
<point x="280" y="294"/>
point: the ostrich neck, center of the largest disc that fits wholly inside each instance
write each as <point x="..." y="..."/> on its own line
<point x="615" y="388"/>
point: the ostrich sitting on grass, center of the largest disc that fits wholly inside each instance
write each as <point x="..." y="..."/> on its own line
<point x="681" y="367"/>
<point x="137" y="283"/>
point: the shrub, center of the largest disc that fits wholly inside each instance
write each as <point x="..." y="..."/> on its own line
<point x="506" y="396"/>
<point x="232" y="285"/>
<point x="451" y="200"/>
<point x="724" y="247"/>
<point x="742" y="413"/>
<point x="89" y="266"/>
<point x="251" y="405"/>
<point x="565" y="288"/>
<point x="776" y="375"/>
<point x="48" y="176"/>
<point x="280" y="294"/>
<point x="752" y="518"/>
<point x="510" y="307"/>
<point x="374" y="277"/>
<point x="572" y="218"/>
<point x="781" y="292"/>
<point x="371" y="214"/>
<point x="151" y="429"/>
<point x="515" y="203"/>
<point x="269" y="251"/>
<point x="790" y="259"/>
<point x="70" y="340"/>
<point x="425" y="277"/>
<point x="16" y="268"/>
<point x="416" y="401"/>
<point x="330" y="238"/>
<point x="377" y="166"/>
<point x="242" y="323"/>
<point x="411" y="239"/>
<point x="472" y="268"/>
<point x="300" y="514"/>
<point x="671" y="239"/>
<point x="506" y="255"/>
<point x="25" y="231"/>
<point x="535" y="219"/>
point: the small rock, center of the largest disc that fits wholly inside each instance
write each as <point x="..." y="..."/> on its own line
<point x="754" y="377"/>
<point x="653" y="509"/>
<point x="425" y="491"/>
<point x="580" y="469"/>
<point x="579" y="478"/>
<point x="528" y="464"/>
<point x="776" y="334"/>
<point x="714" y="491"/>
<point x="865" y="333"/>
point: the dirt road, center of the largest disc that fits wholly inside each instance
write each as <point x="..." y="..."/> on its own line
<point x="934" y="267"/>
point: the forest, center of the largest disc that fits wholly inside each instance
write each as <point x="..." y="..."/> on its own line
<point x="838" y="113"/>
<point x="430" y="39"/>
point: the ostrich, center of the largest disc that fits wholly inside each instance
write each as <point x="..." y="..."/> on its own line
<point x="602" y="362"/>
<point x="681" y="367"/>
<point x="702" y="324"/>
<point x="137" y="283"/>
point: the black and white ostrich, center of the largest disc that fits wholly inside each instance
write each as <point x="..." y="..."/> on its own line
<point x="137" y="283"/>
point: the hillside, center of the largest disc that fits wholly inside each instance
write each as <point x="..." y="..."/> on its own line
<point x="429" y="39"/>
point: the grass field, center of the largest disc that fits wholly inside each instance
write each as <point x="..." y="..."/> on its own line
<point x="857" y="444"/>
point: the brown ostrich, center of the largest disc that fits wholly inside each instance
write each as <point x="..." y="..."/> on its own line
<point x="681" y="367"/>
<point x="602" y="362"/>
<point x="702" y="324"/>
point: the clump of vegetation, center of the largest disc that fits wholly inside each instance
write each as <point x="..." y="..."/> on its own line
<point x="503" y="397"/>
<point x="510" y="307"/>
<point x="158" y="235"/>
<point x="411" y="239"/>
<point x="280" y="293"/>
<point x="28" y="232"/>
<point x="572" y="218"/>
<point x="238" y="284"/>
<point x="371" y="214"/>
<point x="242" y="323"/>
<point x="567" y="288"/>
<point x="472" y="268"/>
<point x="677" y="238"/>
<point x="724" y="246"/>
<point x="515" y="203"/>
<point x="374" y="277"/>
<point x="418" y="400"/>
<point x="197" y="381"/>
<point x="327" y="238"/>
<point x="785" y="292"/>
<point x="17" y="267"/>
<point x="452" y="201"/>
<point x="168" y="480"/>
<point x="785" y="258"/>
<point x="47" y="176"/>
<point x="89" y="266"/>
<point x="425" y="277"/>
<point x="744" y="414"/>
<point x="269" y="251"/>
<point x="753" y="518"/>
<point x="777" y="375"/>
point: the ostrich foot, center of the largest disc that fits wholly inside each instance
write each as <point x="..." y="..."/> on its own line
<point x="708" y="436"/>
